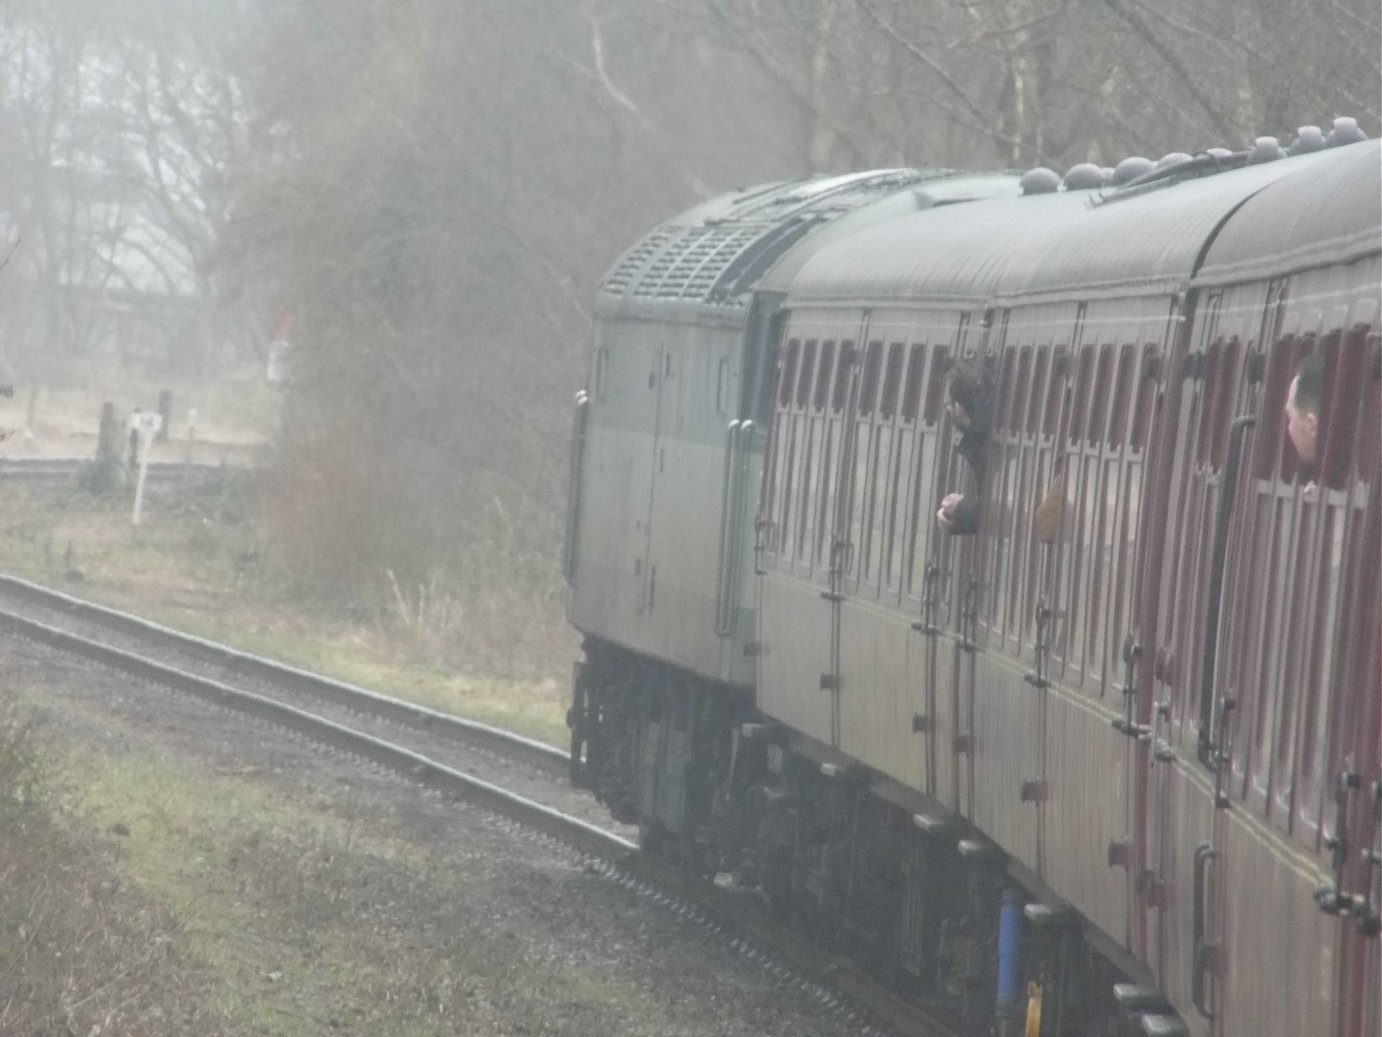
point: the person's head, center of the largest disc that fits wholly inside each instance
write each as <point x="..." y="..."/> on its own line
<point x="970" y="393"/>
<point x="1303" y="404"/>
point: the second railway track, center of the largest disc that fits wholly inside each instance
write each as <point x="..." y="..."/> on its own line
<point x="511" y="775"/>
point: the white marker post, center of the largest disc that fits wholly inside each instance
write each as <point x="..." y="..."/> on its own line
<point x="146" y="426"/>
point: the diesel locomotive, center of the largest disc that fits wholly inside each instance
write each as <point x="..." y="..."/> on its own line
<point x="1117" y="772"/>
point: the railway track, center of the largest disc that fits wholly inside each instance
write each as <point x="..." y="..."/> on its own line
<point x="510" y="775"/>
<point x="60" y="469"/>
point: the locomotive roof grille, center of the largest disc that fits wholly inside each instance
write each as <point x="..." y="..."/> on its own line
<point x="715" y="254"/>
<point x="689" y="267"/>
<point x="622" y="276"/>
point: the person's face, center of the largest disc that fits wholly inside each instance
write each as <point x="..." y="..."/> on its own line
<point x="1301" y="426"/>
<point x="960" y="415"/>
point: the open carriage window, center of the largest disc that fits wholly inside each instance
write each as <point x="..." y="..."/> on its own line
<point x="1270" y="441"/>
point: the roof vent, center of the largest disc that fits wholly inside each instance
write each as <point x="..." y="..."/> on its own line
<point x="1039" y="181"/>
<point x="1265" y="149"/>
<point x="1175" y="158"/>
<point x="1131" y="168"/>
<point x="1308" y="139"/>
<point x="1084" y="177"/>
<point x="1345" y="131"/>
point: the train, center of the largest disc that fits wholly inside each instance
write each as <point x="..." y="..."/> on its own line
<point x="1111" y="764"/>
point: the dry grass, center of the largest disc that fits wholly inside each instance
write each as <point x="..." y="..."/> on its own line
<point x="197" y="563"/>
<point x="151" y="896"/>
<point x="78" y="954"/>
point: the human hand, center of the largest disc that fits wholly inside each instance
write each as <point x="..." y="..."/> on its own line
<point x="945" y="517"/>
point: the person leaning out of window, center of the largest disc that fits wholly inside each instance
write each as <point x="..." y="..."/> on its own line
<point x="971" y="408"/>
<point x="1303" y="408"/>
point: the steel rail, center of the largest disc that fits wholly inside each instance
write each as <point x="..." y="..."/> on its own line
<point x="427" y="772"/>
<point x="55" y="469"/>
<point x="257" y="667"/>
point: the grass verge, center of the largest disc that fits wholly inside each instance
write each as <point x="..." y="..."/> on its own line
<point x="196" y="564"/>
<point x="155" y="895"/>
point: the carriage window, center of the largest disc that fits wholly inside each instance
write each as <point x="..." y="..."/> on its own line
<point x="1005" y="387"/>
<point x="1289" y="462"/>
<point x="892" y="379"/>
<point x="841" y="394"/>
<point x="1098" y="409"/>
<point x="808" y="370"/>
<point x="823" y="375"/>
<point x="1271" y="429"/>
<point x="1018" y="398"/>
<point x="1210" y="360"/>
<point x="872" y="362"/>
<point x="1038" y="385"/>
<point x="1369" y="442"/>
<point x="1146" y="392"/>
<point x="935" y="385"/>
<point x="1082" y="385"/>
<point x="1122" y="389"/>
<point x="911" y="396"/>
<point x="1225" y="392"/>
<point x="1051" y="413"/>
<point x="789" y="374"/>
<point x="1339" y="422"/>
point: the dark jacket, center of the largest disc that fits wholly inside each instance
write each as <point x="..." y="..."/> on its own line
<point x="973" y="447"/>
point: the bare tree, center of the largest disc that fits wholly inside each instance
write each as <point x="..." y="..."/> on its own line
<point x="124" y="133"/>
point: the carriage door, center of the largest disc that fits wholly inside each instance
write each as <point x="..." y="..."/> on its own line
<point x="662" y="389"/>
<point x="965" y="592"/>
<point x="1357" y="806"/>
<point x="1179" y="862"/>
<point x="846" y="532"/>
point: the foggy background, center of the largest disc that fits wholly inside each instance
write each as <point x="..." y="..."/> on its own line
<point x="421" y="195"/>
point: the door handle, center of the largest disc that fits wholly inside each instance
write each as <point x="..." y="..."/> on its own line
<point x="1202" y="960"/>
